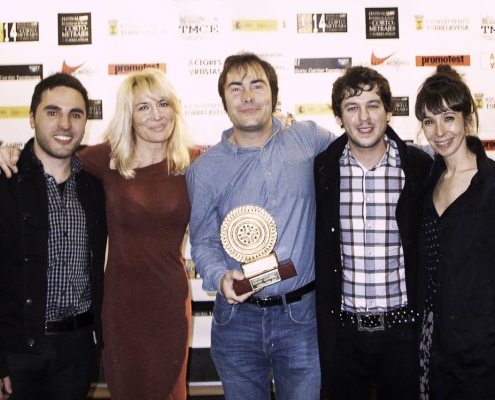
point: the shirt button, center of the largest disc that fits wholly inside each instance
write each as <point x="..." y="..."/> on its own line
<point x="268" y="174"/>
<point x="272" y="202"/>
<point x="29" y="302"/>
<point x="30" y="342"/>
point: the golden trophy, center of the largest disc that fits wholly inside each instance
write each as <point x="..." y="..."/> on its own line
<point x="248" y="235"/>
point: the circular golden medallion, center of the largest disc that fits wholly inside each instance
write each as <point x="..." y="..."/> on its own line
<point x="248" y="233"/>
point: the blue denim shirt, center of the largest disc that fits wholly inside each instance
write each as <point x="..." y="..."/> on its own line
<point x="277" y="177"/>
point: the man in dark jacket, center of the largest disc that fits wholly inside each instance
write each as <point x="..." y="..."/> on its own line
<point x="367" y="226"/>
<point x="52" y="251"/>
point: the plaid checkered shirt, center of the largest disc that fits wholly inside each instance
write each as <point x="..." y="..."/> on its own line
<point x="68" y="248"/>
<point x="371" y="249"/>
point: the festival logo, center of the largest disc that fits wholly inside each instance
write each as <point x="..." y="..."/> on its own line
<point x="313" y="109"/>
<point x="386" y="61"/>
<point x="401" y="106"/>
<point x="478" y="99"/>
<point x="198" y="27"/>
<point x="95" y="109"/>
<point x="490" y="103"/>
<point x="203" y="109"/>
<point x="21" y="72"/>
<point x="321" y="65"/>
<point x="19" y="32"/>
<point x="488" y="27"/>
<point x="382" y="23"/>
<point x="70" y="70"/>
<point x="14" y="112"/>
<point x="124" y="69"/>
<point x="74" y="29"/>
<point x="379" y="61"/>
<point x="255" y="25"/>
<point x="321" y="23"/>
<point x="433" y="61"/>
<point x="419" y="22"/>
<point x="445" y="24"/>
<point x="130" y="28"/>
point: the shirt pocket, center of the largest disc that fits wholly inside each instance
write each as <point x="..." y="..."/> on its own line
<point x="299" y="175"/>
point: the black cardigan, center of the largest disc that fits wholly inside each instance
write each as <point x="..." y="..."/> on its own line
<point x="462" y="356"/>
<point x="416" y="165"/>
<point x="24" y="254"/>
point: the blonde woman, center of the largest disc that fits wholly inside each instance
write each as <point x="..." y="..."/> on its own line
<point x="146" y="306"/>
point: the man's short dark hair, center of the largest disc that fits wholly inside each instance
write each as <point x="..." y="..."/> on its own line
<point x="354" y="81"/>
<point x="241" y="63"/>
<point x="56" y="80"/>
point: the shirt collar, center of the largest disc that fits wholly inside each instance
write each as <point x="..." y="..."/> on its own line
<point x="234" y="149"/>
<point x="76" y="164"/>
<point x="391" y="158"/>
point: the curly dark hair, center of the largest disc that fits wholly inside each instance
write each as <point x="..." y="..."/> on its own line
<point x="354" y="82"/>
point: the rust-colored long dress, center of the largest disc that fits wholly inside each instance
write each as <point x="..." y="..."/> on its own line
<point x="146" y="304"/>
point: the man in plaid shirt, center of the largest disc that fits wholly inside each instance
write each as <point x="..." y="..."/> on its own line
<point x="367" y="226"/>
<point x="52" y="251"/>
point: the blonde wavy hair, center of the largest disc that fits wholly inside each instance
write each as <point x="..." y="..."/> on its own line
<point x="120" y="135"/>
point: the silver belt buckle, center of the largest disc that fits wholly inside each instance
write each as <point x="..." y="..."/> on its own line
<point x="380" y="319"/>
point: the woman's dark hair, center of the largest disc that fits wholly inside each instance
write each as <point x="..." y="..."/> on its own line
<point x="56" y="80"/>
<point x="242" y="63"/>
<point x="443" y="91"/>
<point x="354" y="82"/>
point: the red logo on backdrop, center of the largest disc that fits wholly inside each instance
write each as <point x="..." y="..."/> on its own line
<point x="378" y="61"/>
<point x="70" y="70"/>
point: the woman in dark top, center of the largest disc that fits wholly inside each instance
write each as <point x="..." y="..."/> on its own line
<point x="457" y="350"/>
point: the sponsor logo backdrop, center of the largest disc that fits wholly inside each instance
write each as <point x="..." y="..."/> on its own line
<point x="310" y="43"/>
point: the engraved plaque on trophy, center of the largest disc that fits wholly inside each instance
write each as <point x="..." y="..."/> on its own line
<point x="248" y="235"/>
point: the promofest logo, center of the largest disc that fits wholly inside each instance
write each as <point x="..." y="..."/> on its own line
<point x="124" y="69"/>
<point x="433" y="61"/>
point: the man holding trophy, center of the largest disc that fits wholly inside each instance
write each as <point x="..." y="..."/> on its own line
<point x="252" y="234"/>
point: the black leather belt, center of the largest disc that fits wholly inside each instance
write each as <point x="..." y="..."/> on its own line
<point x="68" y="324"/>
<point x="378" y="321"/>
<point x="291" y="297"/>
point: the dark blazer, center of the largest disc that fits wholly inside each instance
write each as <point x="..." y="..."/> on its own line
<point x="24" y="254"/>
<point x="462" y="356"/>
<point x="328" y="267"/>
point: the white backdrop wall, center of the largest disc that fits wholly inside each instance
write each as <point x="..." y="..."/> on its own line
<point x="191" y="38"/>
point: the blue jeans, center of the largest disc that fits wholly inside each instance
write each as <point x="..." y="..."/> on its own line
<point x="247" y="342"/>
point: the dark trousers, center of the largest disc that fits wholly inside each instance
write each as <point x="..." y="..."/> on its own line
<point x="63" y="371"/>
<point x="387" y="360"/>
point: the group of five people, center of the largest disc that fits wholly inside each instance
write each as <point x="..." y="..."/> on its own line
<point x="394" y="287"/>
